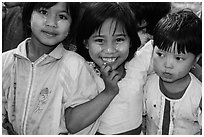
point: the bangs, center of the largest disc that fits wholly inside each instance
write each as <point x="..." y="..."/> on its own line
<point x="116" y="24"/>
<point x="93" y="20"/>
<point x="180" y="46"/>
<point x="183" y="29"/>
<point x="185" y="42"/>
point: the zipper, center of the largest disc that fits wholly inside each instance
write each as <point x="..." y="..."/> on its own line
<point x="26" y="111"/>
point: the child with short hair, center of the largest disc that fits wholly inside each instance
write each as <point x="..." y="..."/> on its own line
<point x="40" y="79"/>
<point x="173" y="95"/>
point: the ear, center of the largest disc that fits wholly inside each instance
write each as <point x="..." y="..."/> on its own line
<point x="86" y="44"/>
<point x="198" y="57"/>
<point x="196" y="61"/>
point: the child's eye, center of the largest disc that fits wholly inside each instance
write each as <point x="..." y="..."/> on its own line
<point x="160" y="54"/>
<point x="63" y="17"/>
<point x="42" y="11"/>
<point x="120" y="40"/>
<point x="179" y="58"/>
<point x="99" y="41"/>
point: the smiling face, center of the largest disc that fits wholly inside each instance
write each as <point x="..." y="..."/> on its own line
<point x="171" y="66"/>
<point x="109" y="45"/>
<point x="50" y="26"/>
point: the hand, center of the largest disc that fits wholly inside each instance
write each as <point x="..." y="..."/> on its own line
<point x="111" y="78"/>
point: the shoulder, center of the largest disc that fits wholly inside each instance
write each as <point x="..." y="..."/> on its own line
<point x="74" y="64"/>
<point x="143" y="56"/>
<point x="147" y="48"/>
<point x="194" y="91"/>
<point x="152" y="79"/>
<point x="195" y="85"/>
<point x="71" y="55"/>
<point x="7" y="57"/>
<point x="72" y="59"/>
<point x="152" y="83"/>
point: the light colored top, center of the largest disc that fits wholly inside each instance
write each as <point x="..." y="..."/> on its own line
<point x="36" y="94"/>
<point x="185" y="114"/>
<point x="125" y="111"/>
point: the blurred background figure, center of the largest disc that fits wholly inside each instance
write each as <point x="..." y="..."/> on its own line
<point x="148" y="14"/>
<point x="12" y="28"/>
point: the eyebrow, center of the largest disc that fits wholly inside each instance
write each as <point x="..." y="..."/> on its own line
<point x="120" y="34"/>
<point x="67" y="11"/>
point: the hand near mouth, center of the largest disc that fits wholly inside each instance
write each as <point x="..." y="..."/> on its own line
<point x="111" y="78"/>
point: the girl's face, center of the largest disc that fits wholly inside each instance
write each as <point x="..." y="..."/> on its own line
<point x="171" y="66"/>
<point x="109" y="45"/>
<point x="50" y="26"/>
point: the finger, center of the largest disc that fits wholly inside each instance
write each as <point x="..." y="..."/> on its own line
<point x="103" y="65"/>
<point x="113" y="74"/>
<point x="117" y="78"/>
<point x="106" y="69"/>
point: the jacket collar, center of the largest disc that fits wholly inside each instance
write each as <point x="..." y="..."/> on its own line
<point x="57" y="53"/>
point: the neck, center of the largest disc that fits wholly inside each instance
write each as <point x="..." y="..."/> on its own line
<point x="35" y="50"/>
<point x="121" y="70"/>
<point x="178" y="85"/>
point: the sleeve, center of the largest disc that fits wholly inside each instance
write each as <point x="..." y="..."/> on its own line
<point x="200" y="113"/>
<point x="80" y="85"/>
<point x="144" y="100"/>
<point x="5" y="88"/>
<point x="139" y="65"/>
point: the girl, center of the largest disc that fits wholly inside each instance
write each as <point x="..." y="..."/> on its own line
<point x="108" y="36"/>
<point x="40" y="78"/>
<point x="173" y="95"/>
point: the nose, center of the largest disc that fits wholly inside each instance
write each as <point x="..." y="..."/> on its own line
<point x="51" y="21"/>
<point x="168" y="62"/>
<point x="110" y="48"/>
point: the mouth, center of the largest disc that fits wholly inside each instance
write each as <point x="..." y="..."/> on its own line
<point x="109" y="59"/>
<point x="49" y="33"/>
<point x="167" y="75"/>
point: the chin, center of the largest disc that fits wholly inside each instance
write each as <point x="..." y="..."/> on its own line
<point x="167" y="80"/>
<point x="50" y="43"/>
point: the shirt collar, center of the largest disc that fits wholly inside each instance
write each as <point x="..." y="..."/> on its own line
<point x="57" y="53"/>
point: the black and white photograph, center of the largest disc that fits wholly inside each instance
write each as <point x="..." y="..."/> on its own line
<point x="101" y="68"/>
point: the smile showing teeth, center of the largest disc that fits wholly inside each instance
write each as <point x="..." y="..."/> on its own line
<point x="110" y="60"/>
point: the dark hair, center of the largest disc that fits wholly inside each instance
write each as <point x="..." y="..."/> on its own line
<point x="94" y="16"/>
<point x="29" y="7"/>
<point x="182" y="27"/>
<point x="150" y="12"/>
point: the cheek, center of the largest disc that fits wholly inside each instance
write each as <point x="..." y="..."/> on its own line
<point x="124" y="49"/>
<point x="94" y="48"/>
<point x="157" y="64"/>
<point x="36" y="21"/>
<point x="183" y="68"/>
<point x="94" y="51"/>
<point x="64" y="27"/>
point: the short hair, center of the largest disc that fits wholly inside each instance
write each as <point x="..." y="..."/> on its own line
<point x="151" y="12"/>
<point x="183" y="28"/>
<point x="29" y="7"/>
<point x="94" y="16"/>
